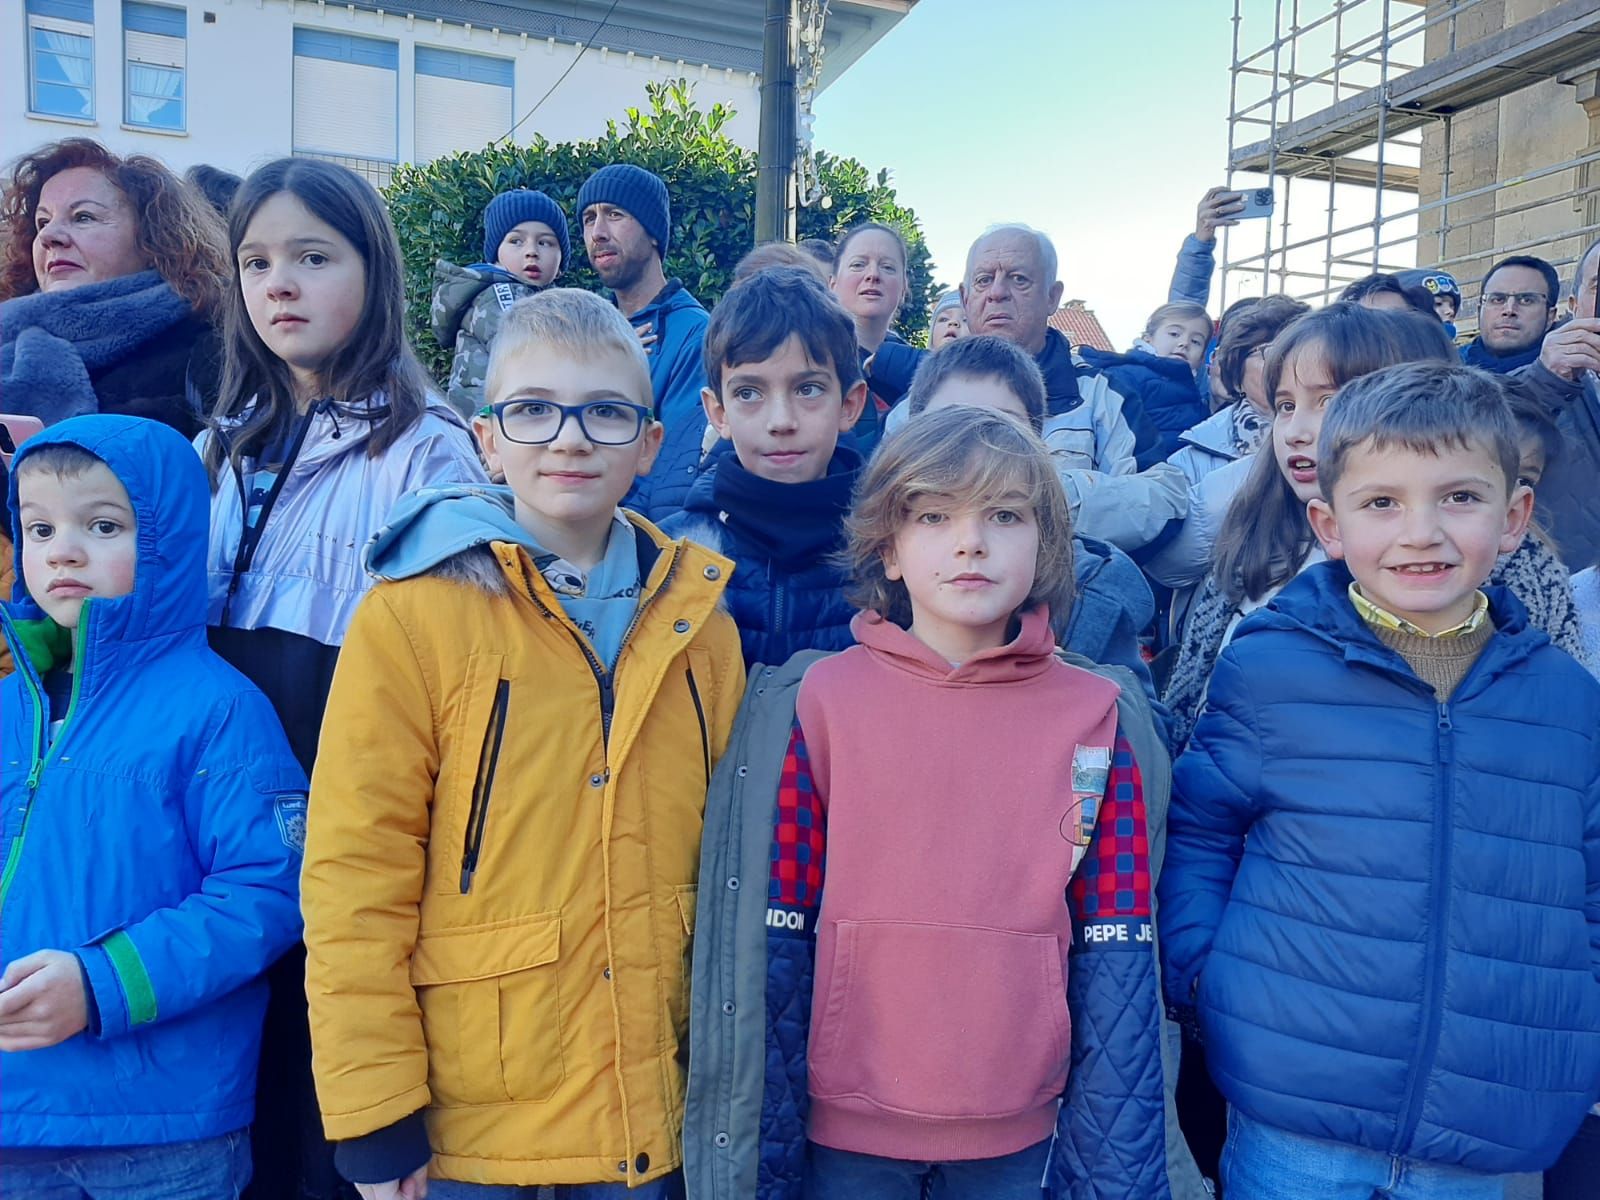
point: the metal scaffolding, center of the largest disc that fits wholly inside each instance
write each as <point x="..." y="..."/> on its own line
<point x="1373" y="131"/>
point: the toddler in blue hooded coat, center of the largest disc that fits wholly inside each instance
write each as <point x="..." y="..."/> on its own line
<point x="153" y="820"/>
<point x="1382" y="884"/>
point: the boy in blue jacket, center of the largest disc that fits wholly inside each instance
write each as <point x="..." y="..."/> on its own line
<point x="784" y="382"/>
<point x="1382" y="885"/>
<point x="153" y="819"/>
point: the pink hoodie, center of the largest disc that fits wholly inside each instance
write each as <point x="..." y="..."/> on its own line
<point x="939" y="1025"/>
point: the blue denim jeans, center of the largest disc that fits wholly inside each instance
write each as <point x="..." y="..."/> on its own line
<point x="842" y="1175"/>
<point x="668" y="1187"/>
<point x="212" y="1169"/>
<point x="1260" y="1162"/>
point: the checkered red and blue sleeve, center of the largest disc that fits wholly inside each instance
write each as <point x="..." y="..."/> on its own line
<point x="1111" y="1132"/>
<point x="794" y="895"/>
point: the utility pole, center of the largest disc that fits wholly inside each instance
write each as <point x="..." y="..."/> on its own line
<point x="777" y="139"/>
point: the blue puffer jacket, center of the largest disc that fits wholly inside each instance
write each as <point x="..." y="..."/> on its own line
<point x="677" y="376"/>
<point x="780" y="608"/>
<point x="1163" y="388"/>
<point x="1392" y="904"/>
<point x="158" y="837"/>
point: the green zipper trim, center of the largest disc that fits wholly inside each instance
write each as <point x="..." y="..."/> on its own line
<point x="136" y="986"/>
<point x="80" y="639"/>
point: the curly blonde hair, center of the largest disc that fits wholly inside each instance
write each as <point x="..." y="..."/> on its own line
<point x="969" y="457"/>
<point x="178" y="230"/>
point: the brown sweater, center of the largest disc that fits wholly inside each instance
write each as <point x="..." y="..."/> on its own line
<point x="1440" y="662"/>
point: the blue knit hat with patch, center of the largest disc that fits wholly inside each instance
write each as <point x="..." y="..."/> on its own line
<point x="510" y="209"/>
<point x="637" y="192"/>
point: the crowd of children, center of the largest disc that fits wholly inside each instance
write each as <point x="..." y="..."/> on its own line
<point x="713" y="756"/>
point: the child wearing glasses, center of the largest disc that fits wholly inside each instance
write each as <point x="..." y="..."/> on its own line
<point x="501" y="862"/>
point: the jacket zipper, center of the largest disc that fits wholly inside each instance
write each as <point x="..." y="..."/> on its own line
<point x="700" y="713"/>
<point x="1432" y="980"/>
<point x="42" y="755"/>
<point x="483" y="786"/>
<point x="605" y="681"/>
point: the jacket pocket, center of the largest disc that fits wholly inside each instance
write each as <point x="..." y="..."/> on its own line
<point x="491" y="1010"/>
<point x="942" y="1020"/>
<point x="472" y="732"/>
<point x="681" y="919"/>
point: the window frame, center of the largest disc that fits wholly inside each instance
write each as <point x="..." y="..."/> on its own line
<point x="128" y="65"/>
<point x="44" y="23"/>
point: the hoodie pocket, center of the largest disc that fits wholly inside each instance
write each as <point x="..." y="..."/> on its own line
<point x="941" y="1020"/>
<point x="491" y="1010"/>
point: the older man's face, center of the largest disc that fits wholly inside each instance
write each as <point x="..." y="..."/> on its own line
<point x="1006" y="293"/>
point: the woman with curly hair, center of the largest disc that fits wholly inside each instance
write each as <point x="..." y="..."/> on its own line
<point x="111" y="273"/>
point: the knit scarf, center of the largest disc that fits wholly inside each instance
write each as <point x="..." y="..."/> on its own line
<point x="793" y="525"/>
<point x="1537" y="577"/>
<point x="1479" y="355"/>
<point x="51" y="343"/>
<point x="1250" y="427"/>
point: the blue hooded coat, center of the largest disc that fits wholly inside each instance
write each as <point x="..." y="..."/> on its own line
<point x="1391" y="903"/>
<point x="157" y="837"/>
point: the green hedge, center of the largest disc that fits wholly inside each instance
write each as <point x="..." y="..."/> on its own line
<point x="438" y="208"/>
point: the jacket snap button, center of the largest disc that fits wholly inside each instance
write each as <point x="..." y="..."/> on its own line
<point x="727" y="1007"/>
<point x="642" y="1163"/>
<point x="596" y="780"/>
<point x="623" y="1167"/>
<point x="742" y="772"/>
<point x="713" y="572"/>
<point x="680" y="626"/>
<point x="606" y="972"/>
<point x="733" y="884"/>
<point x="721" y="1140"/>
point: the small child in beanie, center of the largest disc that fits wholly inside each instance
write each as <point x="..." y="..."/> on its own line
<point x="525" y="245"/>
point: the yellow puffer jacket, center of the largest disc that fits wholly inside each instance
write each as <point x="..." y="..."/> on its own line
<point x="499" y="893"/>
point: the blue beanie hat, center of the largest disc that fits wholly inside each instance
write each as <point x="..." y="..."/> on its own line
<point x="637" y="192"/>
<point x="510" y="209"/>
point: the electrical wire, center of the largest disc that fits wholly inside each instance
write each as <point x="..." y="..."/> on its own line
<point x="562" y="78"/>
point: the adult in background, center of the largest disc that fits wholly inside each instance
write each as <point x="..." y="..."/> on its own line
<point x="215" y="184"/>
<point x="1516" y="308"/>
<point x="1564" y="376"/>
<point x="1009" y="290"/>
<point x="111" y="273"/>
<point x="869" y="280"/>
<point x="627" y="225"/>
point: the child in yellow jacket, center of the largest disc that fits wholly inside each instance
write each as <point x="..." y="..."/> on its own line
<point x="505" y="819"/>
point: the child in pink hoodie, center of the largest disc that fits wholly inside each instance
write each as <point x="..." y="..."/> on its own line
<point x="985" y="1014"/>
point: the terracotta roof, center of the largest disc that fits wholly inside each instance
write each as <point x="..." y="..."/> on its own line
<point x="1080" y="325"/>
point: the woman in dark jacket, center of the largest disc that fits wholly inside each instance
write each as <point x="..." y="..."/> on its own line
<point x="111" y="270"/>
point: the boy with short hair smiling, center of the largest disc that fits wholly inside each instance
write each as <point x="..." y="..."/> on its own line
<point x="784" y="381"/>
<point x="500" y="872"/>
<point x="1382" y="885"/>
<point x="153" y="817"/>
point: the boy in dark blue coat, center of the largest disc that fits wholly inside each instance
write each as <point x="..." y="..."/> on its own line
<point x="1382" y="885"/>
<point x="153" y="819"/>
<point x="783" y="383"/>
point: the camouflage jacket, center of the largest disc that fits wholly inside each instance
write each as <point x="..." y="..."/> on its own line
<point x="468" y="303"/>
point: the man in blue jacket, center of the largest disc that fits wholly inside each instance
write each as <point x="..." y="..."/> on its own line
<point x="627" y="225"/>
<point x="153" y="819"/>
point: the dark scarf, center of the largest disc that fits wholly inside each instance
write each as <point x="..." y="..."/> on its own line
<point x="1479" y="355"/>
<point x="51" y="344"/>
<point x="793" y="525"/>
<point x="1060" y="374"/>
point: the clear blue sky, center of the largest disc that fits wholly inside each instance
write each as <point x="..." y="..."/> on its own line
<point x="1101" y="122"/>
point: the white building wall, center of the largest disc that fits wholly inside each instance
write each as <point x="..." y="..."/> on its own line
<point x="241" y="82"/>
